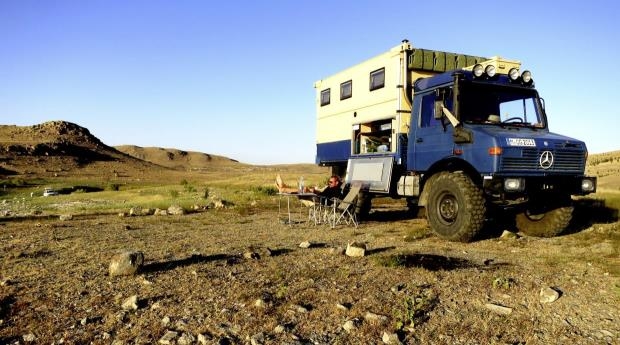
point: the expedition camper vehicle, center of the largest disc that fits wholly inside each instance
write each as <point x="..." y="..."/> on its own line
<point x="460" y="135"/>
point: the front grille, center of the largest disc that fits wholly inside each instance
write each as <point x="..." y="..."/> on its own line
<point x="565" y="160"/>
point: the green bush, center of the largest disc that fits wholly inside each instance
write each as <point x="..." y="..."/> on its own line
<point x="113" y="187"/>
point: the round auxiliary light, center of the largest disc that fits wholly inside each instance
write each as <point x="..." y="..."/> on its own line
<point x="513" y="74"/>
<point x="490" y="70"/>
<point x="526" y="76"/>
<point x="478" y="70"/>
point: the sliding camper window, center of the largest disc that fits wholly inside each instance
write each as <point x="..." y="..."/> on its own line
<point x="373" y="137"/>
<point x="377" y="79"/>
<point x="346" y="90"/>
<point x="325" y="97"/>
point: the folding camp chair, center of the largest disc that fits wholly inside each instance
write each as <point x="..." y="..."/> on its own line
<point x="344" y="210"/>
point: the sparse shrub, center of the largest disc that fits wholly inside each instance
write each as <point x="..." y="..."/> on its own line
<point x="391" y="260"/>
<point x="262" y="190"/>
<point x="115" y="187"/>
<point x="281" y="291"/>
<point x="417" y="233"/>
<point x="503" y="283"/>
<point x="173" y="193"/>
<point x="415" y="309"/>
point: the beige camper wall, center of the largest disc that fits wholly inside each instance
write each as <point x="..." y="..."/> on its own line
<point x="335" y="121"/>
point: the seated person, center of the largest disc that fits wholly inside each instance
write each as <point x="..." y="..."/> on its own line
<point x="333" y="189"/>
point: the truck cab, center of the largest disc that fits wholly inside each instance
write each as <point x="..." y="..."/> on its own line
<point x="463" y="136"/>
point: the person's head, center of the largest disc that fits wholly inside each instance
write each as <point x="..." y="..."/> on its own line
<point x="334" y="181"/>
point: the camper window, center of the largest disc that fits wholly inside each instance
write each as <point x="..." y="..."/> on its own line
<point x="346" y="90"/>
<point x="377" y="79"/>
<point x="325" y="97"/>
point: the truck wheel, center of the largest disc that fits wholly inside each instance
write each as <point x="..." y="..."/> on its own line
<point x="545" y="221"/>
<point x="456" y="207"/>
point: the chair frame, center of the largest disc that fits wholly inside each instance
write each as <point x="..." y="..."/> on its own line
<point x="344" y="209"/>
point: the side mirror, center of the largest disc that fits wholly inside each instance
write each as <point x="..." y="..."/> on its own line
<point x="438" y="111"/>
<point x="439" y="95"/>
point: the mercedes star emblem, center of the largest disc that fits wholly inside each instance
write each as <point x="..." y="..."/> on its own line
<point x="546" y="160"/>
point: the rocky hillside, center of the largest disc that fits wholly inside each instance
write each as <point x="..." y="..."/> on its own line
<point x="58" y="148"/>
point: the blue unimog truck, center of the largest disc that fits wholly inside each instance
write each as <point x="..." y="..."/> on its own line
<point x="462" y="136"/>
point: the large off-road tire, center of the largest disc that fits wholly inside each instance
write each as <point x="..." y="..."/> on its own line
<point x="456" y="207"/>
<point x="546" y="219"/>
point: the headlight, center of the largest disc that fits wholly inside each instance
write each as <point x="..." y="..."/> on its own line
<point x="513" y="74"/>
<point x="490" y="71"/>
<point x="526" y="76"/>
<point x="588" y="185"/>
<point x="478" y="70"/>
<point x="514" y="184"/>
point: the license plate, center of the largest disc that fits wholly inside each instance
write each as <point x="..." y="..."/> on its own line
<point x="521" y="142"/>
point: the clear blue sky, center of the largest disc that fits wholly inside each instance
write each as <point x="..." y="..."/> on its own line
<point x="234" y="78"/>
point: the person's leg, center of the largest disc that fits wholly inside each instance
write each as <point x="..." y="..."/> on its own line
<point x="283" y="188"/>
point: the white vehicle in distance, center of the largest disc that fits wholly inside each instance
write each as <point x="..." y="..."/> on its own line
<point x="49" y="192"/>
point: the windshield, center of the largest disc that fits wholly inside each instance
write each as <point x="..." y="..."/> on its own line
<point x="499" y="105"/>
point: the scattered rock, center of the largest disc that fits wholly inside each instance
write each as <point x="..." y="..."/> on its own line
<point x="356" y="249"/>
<point x="127" y="263"/>
<point x="390" y="338"/>
<point x="29" y="338"/>
<point x="260" y="303"/>
<point x="186" y="339"/>
<point x="257" y="339"/>
<point x="375" y="318"/>
<point x="168" y="338"/>
<point x="300" y="309"/>
<point x="397" y="288"/>
<point x="130" y="304"/>
<point x="251" y="255"/>
<point x="548" y="295"/>
<point x="337" y="251"/>
<point x="279" y="329"/>
<point x="176" y="210"/>
<point x="65" y="217"/>
<point x="508" y="235"/>
<point x="165" y="321"/>
<point x="202" y="339"/>
<point x="342" y="307"/>
<point x="351" y="325"/>
<point x="305" y="244"/>
<point x="496" y="308"/>
<point x="160" y="212"/>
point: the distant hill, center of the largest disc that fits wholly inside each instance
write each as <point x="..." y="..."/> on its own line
<point x="178" y="159"/>
<point x="606" y="166"/>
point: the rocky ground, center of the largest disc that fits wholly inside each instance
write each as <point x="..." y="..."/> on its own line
<point x="231" y="277"/>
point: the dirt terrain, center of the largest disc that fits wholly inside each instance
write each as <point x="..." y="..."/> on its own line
<point x="237" y="274"/>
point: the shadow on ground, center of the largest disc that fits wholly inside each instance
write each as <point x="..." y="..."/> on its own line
<point x="430" y="262"/>
<point x="192" y="260"/>
<point x="589" y="212"/>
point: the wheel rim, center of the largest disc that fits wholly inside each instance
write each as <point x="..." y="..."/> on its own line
<point x="534" y="217"/>
<point x="447" y="208"/>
